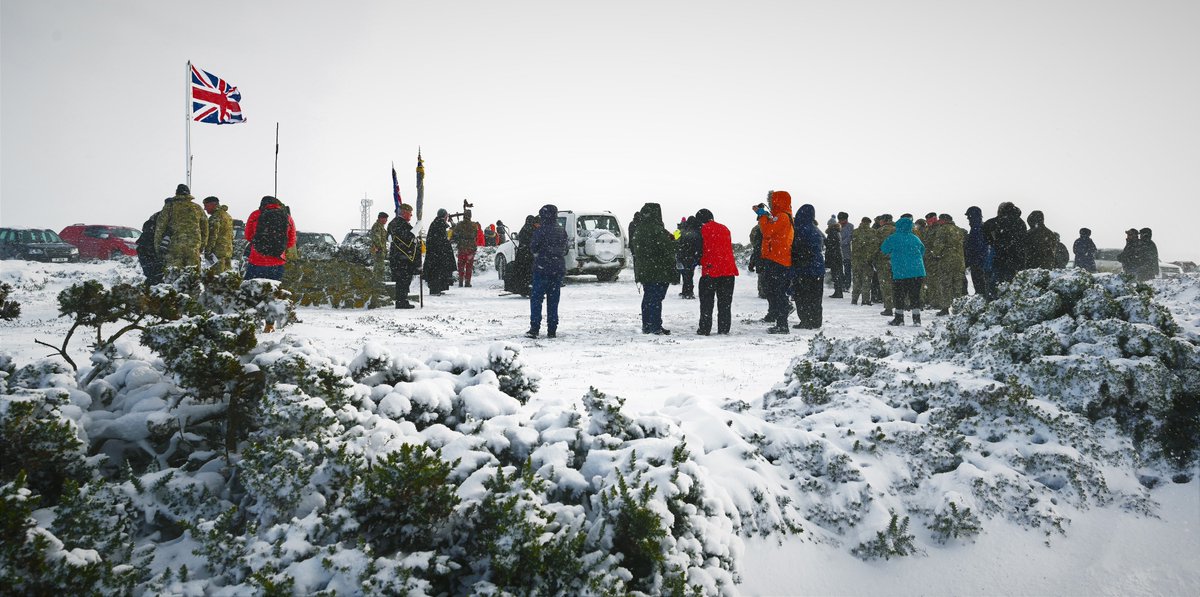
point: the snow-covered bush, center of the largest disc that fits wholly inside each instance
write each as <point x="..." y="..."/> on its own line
<point x="8" y="309"/>
<point x="1068" y="391"/>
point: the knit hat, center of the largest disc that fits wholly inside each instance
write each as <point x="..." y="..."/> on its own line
<point x="183" y="190"/>
<point x="703" y="216"/>
<point x="1085" y="232"/>
<point x="843" y="216"/>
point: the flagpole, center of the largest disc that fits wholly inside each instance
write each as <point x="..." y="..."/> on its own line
<point x="187" y="116"/>
<point x="276" y="194"/>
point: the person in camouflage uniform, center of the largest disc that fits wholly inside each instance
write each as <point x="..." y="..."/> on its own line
<point x="882" y="263"/>
<point x="463" y="235"/>
<point x="944" y="261"/>
<point x="861" y="244"/>
<point x="379" y="244"/>
<point x="185" y="227"/>
<point x="220" y="235"/>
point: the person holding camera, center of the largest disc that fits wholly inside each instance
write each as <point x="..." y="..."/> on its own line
<point x="775" y="223"/>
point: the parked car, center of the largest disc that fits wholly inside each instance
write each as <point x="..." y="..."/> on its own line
<point x="101" y="241"/>
<point x="36" y="244"/>
<point x="316" y="245"/>
<point x="1106" y="262"/>
<point x="596" y="244"/>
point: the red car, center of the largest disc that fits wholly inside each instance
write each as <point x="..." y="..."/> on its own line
<point x="101" y="242"/>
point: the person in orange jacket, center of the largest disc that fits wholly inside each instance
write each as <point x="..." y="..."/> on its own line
<point x="776" y="263"/>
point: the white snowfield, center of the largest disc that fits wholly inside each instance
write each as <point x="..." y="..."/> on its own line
<point x="828" y="450"/>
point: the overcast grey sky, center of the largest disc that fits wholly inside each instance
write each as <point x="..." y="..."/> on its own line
<point x="1087" y="110"/>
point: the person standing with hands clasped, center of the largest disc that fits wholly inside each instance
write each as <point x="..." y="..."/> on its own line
<point x="549" y="246"/>
<point x="775" y="266"/>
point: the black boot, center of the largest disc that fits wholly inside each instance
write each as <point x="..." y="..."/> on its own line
<point x="916" y="318"/>
<point x="551" y="332"/>
<point x="899" y="319"/>
<point x="886" y="312"/>
<point x="532" y="333"/>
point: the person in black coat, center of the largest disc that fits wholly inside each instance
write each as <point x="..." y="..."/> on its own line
<point x="687" y="255"/>
<point x="1085" y="251"/>
<point x="519" y="275"/>
<point x="147" y="253"/>
<point x="833" y="257"/>
<point x="440" y="263"/>
<point x="1006" y="235"/>
<point x="404" y="256"/>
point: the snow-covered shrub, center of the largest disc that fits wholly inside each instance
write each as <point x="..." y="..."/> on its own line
<point x="8" y="309"/>
<point x="1061" y="394"/>
<point x="40" y="445"/>
<point x="35" y="562"/>
<point x="405" y="498"/>
<point x="339" y="284"/>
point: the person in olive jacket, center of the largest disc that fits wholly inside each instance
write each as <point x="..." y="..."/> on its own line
<point x="404" y="255"/>
<point x="718" y="270"/>
<point x="1040" y="243"/>
<point x="220" y="235"/>
<point x="549" y="247"/>
<point x="653" y="266"/>
<point x="181" y="231"/>
<point x="906" y="253"/>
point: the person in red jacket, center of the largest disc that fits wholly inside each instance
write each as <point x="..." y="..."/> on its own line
<point x="268" y="267"/>
<point x="717" y="273"/>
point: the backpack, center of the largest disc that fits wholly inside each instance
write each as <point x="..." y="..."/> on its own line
<point x="270" y="237"/>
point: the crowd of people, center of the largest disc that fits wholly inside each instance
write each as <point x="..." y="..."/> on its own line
<point x="903" y="264"/>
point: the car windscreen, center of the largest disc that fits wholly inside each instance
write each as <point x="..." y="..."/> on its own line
<point x="38" y="236"/>
<point x="608" y="223"/>
<point x="127" y="233"/>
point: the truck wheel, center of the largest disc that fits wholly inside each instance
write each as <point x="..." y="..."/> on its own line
<point x="501" y="263"/>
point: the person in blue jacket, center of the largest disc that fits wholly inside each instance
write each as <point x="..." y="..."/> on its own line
<point x="549" y="247"/>
<point x="907" y="255"/>
<point x="808" y="268"/>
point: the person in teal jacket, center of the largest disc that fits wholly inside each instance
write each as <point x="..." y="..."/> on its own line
<point x="907" y="255"/>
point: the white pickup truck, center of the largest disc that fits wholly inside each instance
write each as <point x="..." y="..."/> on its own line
<point x="597" y="244"/>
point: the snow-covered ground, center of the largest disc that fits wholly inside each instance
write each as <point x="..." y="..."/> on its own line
<point x="1104" y="549"/>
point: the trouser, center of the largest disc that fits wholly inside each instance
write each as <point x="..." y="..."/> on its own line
<point x="687" y="276"/>
<point x="861" y="287"/>
<point x="378" y="265"/>
<point x="807" y="292"/>
<point x="466" y="265"/>
<point x="152" y="268"/>
<point x="403" y="283"/>
<point x="847" y="272"/>
<point x="836" y="272"/>
<point x="720" y="289"/>
<point x="982" y="282"/>
<point x="946" y="287"/>
<point x="908" y="293"/>
<point x="885" y="285"/>
<point x="777" y="279"/>
<point x="653" y="294"/>
<point x="546" y="287"/>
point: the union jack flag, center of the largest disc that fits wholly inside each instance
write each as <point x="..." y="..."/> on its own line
<point x="214" y="100"/>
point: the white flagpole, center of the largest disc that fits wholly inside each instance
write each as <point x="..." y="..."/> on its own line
<point x="187" y="115"/>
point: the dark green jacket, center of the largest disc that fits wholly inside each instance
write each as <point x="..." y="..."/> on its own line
<point x="653" y="249"/>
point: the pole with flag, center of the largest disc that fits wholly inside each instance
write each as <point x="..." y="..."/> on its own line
<point x="187" y="117"/>
<point x="276" y="194"/>
<point x="210" y="99"/>
<point x="395" y="190"/>
<point x="420" y="184"/>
